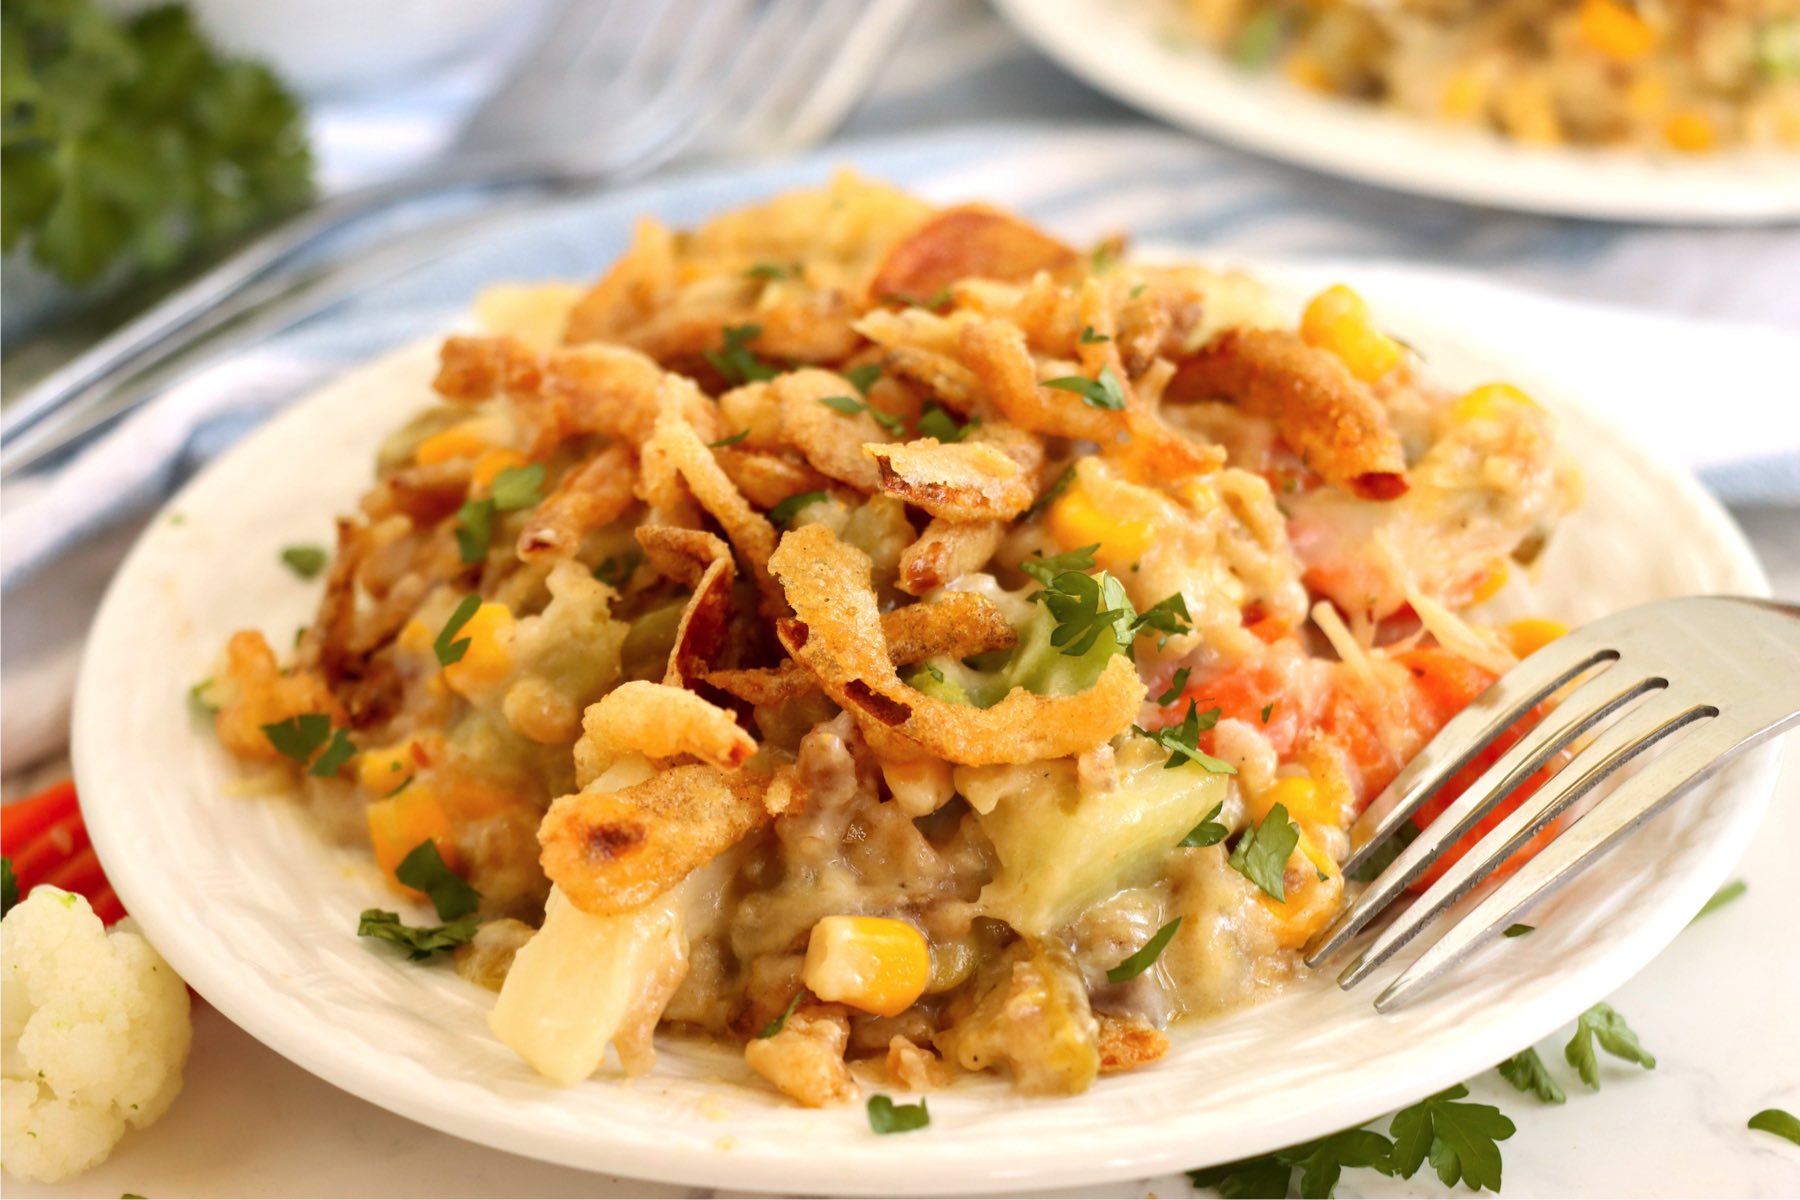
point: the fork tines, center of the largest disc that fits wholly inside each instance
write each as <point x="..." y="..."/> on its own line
<point x="1725" y="670"/>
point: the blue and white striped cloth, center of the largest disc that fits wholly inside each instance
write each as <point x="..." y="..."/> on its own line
<point x="1071" y="159"/>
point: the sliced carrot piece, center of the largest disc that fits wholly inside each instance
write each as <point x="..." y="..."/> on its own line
<point x="23" y="820"/>
<point x="34" y="861"/>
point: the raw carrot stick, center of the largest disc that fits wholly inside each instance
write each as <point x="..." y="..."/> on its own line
<point x="21" y="822"/>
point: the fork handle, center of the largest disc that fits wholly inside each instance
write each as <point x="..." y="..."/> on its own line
<point x="155" y="335"/>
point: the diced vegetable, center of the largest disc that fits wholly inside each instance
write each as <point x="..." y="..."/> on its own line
<point x="877" y="964"/>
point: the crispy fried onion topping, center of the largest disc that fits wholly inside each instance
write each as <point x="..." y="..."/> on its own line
<point x="591" y="496"/>
<point x="701" y="561"/>
<point x="831" y="440"/>
<point x="947" y="550"/>
<point x="957" y="481"/>
<point x="837" y="636"/>
<point x="611" y="852"/>
<point x="969" y="242"/>
<point x="658" y="720"/>
<point x="1330" y="418"/>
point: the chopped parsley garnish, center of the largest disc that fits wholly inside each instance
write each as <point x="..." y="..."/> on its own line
<point x="1103" y="392"/>
<point x="305" y="561"/>
<point x="1183" y="743"/>
<point x="517" y="487"/>
<point x="1602" y="1024"/>
<point x="616" y="570"/>
<point x="1722" y="897"/>
<point x="1085" y="606"/>
<point x="1089" y="337"/>
<point x="935" y="674"/>
<point x="1052" y="492"/>
<point x="337" y="753"/>
<point x="775" y="1026"/>
<point x="1267" y="710"/>
<point x="1527" y="1072"/>
<point x="773" y="271"/>
<point x="1168" y="617"/>
<point x="1518" y="930"/>
<point x="1140" y="962"/>
<point x="9" y="886"/>
<point x="1262" y="853"/>
<point x="735" y="361"/>
<point x="1209" y="832"/>
<point x="1461" y="1140"/>
<point x="1776" y="1121"/>
<point x="1177" y="685"/>
<point x="514" y="488"/>
<point x="199" y="701"/>
<point x="424" y="870"/>
<point x="1045" y="569"/>
<point x="887" y="1117"/>
<point x="299" y="737"/>
<point x="790" y="508"/>
<point x="850" y="406"/>
<point x="1137" y="291"/>
<point x="449" y="648"/>
<point x="420" y="941"/>
<point x="937" y="300"/>
<point x="863" y="378"/>
<point x="934" y="422"/>
<point x="731" y="440"/>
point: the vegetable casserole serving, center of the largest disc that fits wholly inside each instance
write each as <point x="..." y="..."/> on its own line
<point x="865" y="632"/>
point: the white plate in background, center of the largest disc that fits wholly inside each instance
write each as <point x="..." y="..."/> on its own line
<point x="1135" y="51"/>
<point x="258" y="913"/>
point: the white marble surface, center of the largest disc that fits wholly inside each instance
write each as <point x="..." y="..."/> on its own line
<point x="1720" y="1008"/>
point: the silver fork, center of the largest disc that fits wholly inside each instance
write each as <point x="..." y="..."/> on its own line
<point x="655" y="80"/>
<point x="1710" y="675"/>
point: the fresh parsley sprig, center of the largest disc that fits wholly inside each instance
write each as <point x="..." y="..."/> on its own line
<point x="783" y="514"/>
<point x="850" y="406"/>
<point x="1209" y="832"/>
<point x="1778" y="1122"/>
<point x="1177" y="685"/>
<point x="730" y="439"/>
<point x="424" y="870"/>
<point x="448" y="647"/>
<point x="513" y="489"/>
<point x="1045" y="569"/>
<point x="887" y="1117"/>
<point x="1085" y="606"/>
<point x="735" y="361"/>
<point x="9" y="886"/>
<point x="1527" y="1072"/>
<point x="1183" y="741"/>
<point x="420" y="941"/>
<point x="776" y="1025"/>
<point x="1104" y="391"/>
<point x="306" y="561"/>
<point x="1261" y="855"/>
<point x="1603" y="1026"/>
<point x="1147" y="954"/>
<point x="1461" y="1140"/>
<point x="863" y="378"/>
<point x="1168" y="616"/>
<point x="934" y="422"/>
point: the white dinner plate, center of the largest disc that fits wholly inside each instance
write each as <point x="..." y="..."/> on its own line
<point x="1138" y="52"/>
<point x="259" y="914"/>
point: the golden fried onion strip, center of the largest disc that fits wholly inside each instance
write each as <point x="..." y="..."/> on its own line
<point x="956" y="481"/>
<point x="701" y="561"/>
<point x="661" y="721"/>
<point x="837" y="635"/>
<point x="831" y="440"/>
<point x="946" y="551"/>
<point x="594" y="494"/>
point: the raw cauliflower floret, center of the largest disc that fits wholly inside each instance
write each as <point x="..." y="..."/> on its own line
<point x="94" y="1031"/>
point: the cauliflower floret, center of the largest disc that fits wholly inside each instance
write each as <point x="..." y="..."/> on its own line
<point x="94" y="1031"/>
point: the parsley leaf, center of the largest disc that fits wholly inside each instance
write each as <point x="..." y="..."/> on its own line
<point x="1527" y="1072"/>
<point x="863" y="378"/>
<point x="1183" y="741"/>
<point x="1209" y="832"/>
<point x="424" y="869"/>
<point x="1045" y="569"/>
<point x="1320" y="1164"/>
<point x="616" y="571"/>
<point x="305" y="561"/>
<point x="1460" y="1139"/>
<point x="1051" y="493"/>
<point x="1089" y="337"/>
<point x="788" y="509"/>
<point x="1267" y="709"/>
<point x="1136" y="291"/>
<point x="1518" y="930"/>
<point x="1781" y="1124"/>
<point x="731" y="440"/>
<point x="420" y="941"/>
<point x="887" y="1117"/>
<point x="934" y="422"/>
<point x="474" y="529"/>
<point x="1147" y="954"/>
<point x="1722" y="897"/>
<point x="337" y="753"/>
<point x="9" y="886"/>
<point x="772" y="271"/>
<point x="131" y="143"/>
<point x="517" y="487"/>
<point x="1603" y="1024"/>
<point x="850" y="406"/>
<point x="735" y="361"/>
<point x="1177" y="685"/>
<point x="1168" y="616"/>
<point x="1103" y="392"/>
<point x="775" y="1026"/>
<point x="1084" y="607"/>
<point x="451" y="651"/>
<point x="298" y="737"/>
<point x="1247" y="1179"/>
<point x="1262" y="853"/>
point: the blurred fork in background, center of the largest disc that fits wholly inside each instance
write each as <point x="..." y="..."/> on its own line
<point x="615" y="89"/>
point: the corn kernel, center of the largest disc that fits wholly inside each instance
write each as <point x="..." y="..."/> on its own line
<point x="1615" y="30"/>
<point x="1338" y="320"/>
<point x="1690" y="132"/>
<point x="877" y="964"/>
<point x="1314" y="885"/>
<point x="459" y="441"/>
<point x="1647" y="95"/>
<point x="1075" y="520"/>
<point x="1306" y="70"/>
<point x="1487" y="401"/>
<point x="397" y="824"/>
<point x="1532" y="634"/>
<point x="1490" y="584"/>
<point x="1306" y="802"/>
<point x="489" y="466"/>
<point x="489" y="656"/>
<point x="1464" y="95"/>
